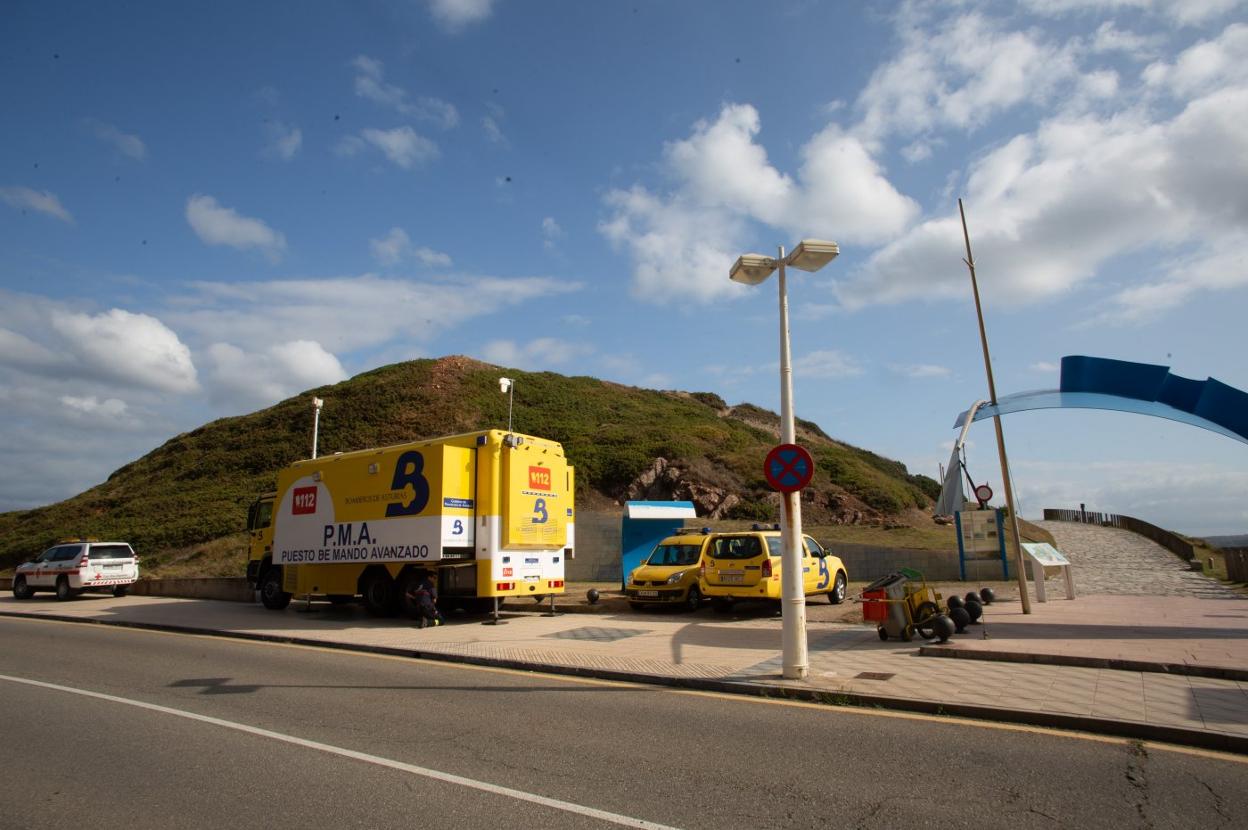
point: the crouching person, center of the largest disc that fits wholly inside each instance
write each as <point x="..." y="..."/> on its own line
<point x="423" y="599"/>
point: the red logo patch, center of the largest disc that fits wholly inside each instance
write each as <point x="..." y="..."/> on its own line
<point x="539" y="478"/>
<point x="506" y="571"/>
<point x="304" y="501"/>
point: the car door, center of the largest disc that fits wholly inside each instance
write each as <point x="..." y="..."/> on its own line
<point x="64" y="561"/>
<point x="41" y="575"/>
<point x="818" y="577"/>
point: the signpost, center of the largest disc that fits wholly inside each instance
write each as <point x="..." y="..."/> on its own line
<point x="788" y="468"/>
<point x="1043" y="558"/>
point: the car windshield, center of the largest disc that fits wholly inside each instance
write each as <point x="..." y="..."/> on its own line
<point x="675" y="555"/>
<point x="111" y="552"/>
<point x="737" y="547"/>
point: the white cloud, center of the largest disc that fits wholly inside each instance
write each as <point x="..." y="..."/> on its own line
<point x="24" y="198"/>
<point x="132" y="348"/>
<point x="541" y="353"/>
<point x="1191" y="498"/>
<point x="108" y="409"/>
<point x="348" y="313"/>
<point x="370" y="83"/>
<point x="125" y="143"/>
<point x="1183" y="12"/>
<point x="1109" y="38"/>
<point x="403" y="146"/>
<point x="679" y="249"/>
<point x="683" y="244"/>
<point x="1044" y="366"/>
<point x="285" y="140"/>
<point x="396" y="246"/>
<point x="455" y="15"/>
<point x="827" y="363"/>
<point x="493" y="124"/>
<point x="919" y="370"/>
<point x="957" y="73"/>
<point x="1047" y="209"/>
<point x="271" y="374"/>
<point x="1208" y="65"/>
<point x="217" y="225"/>
<point x="551" y="233"/>
<point x="20" y="351"/>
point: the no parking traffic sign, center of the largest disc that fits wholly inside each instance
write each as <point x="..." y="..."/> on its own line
<point x="788" y="467"/>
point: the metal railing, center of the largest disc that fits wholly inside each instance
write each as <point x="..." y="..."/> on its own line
<point x="1175" y="544"/>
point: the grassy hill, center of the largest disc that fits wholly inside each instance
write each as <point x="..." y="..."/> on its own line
<point x="196" y="487"/>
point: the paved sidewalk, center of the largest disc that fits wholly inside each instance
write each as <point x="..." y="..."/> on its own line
<point x="848" y="662"/>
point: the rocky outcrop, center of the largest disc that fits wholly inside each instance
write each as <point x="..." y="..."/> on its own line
<point x="664" y="481"/>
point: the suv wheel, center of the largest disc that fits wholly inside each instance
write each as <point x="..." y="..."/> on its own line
<point x="837" y="595"/>
<point x="119" y="590"/>
<point x="63" y="591"/>
<point x="21" y="590"/>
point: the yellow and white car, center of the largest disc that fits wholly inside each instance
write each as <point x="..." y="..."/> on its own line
<point x="746" y="565"/>
<point x="669" y="576"/>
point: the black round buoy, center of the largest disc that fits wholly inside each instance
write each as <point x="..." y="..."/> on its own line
<point x="971" y="596"/>
<point x="987" y="595"/>
<point x="975" y="610"/>
<point x="943" y="627"/>
<point x="955" y="602"/>
<point x="961" y="619"/>
<point x="592" y="596"/>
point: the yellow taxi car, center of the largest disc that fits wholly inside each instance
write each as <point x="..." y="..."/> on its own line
<point x="746" y="565"/>
<point x="669" y="576"/>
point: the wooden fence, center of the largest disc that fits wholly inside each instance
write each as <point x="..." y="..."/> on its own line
<point x="1171" y="542"/>
<point x="1236" y="563"/>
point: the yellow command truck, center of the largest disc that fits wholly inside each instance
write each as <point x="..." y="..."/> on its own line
<point x="489" y="512"/>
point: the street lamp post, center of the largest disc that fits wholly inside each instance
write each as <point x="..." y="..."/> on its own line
<point x="752" y="269"/>
<point x="317" y="403"/>
<point x="505" y="385"/>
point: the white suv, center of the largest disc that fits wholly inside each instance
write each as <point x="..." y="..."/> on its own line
<point x="73" y="567"/>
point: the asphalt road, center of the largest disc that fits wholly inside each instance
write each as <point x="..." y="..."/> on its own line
<point x="204" y="732"/>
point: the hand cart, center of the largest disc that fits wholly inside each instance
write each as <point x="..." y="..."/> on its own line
<point x="901" y="604"/>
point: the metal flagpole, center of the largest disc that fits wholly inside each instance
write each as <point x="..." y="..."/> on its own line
<point x="996" y="420"/>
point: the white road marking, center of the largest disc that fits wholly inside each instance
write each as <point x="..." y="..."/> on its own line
<point x="425" y="772"/>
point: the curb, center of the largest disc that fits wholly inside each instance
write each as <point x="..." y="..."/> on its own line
<point x="1054" y="720"/>
<point x="1215" y="672"/>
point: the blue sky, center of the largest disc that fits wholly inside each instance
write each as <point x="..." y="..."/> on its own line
<point x="206" y="209"/>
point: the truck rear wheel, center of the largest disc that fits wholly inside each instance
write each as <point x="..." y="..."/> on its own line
<point x="380" y="596"/>
<point x="271" y="593"/>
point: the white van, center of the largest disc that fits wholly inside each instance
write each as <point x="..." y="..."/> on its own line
<point x="73" y="567"/>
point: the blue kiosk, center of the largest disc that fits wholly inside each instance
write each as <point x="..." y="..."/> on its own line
<point x="644" y="525"/>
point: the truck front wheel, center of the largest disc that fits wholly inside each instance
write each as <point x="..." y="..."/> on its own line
<point x="271" y="593"/>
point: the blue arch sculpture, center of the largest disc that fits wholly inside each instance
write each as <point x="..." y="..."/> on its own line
<point x="1142" y="388"/>
<point x="1118" y="385"/>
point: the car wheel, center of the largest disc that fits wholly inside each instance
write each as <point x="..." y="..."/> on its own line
<point x="271" y="593"/>
<point x="21" y="590"/>
<point x="694" y="600"/>
<point x="120" y="590"/>
<point x="63" y="591"/>
<point x="924" y="617"/>
<point x="837" y="595"/>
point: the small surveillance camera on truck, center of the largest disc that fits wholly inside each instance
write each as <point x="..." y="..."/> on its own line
<point x="490" y="513"/>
